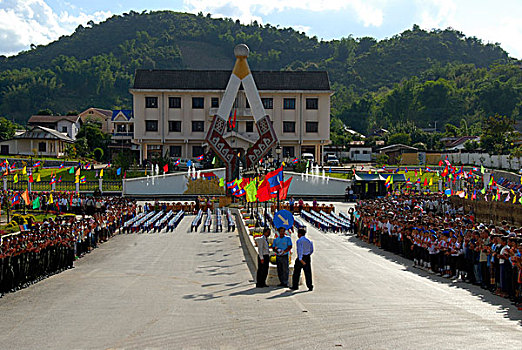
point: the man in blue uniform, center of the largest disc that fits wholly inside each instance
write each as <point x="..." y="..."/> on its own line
<point x="282" y="245"/>
<point x="305" y="248"/>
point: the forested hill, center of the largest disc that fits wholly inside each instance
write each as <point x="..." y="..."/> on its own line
<point x="94" y="66"/>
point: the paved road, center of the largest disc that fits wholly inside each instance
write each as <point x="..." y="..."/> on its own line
<point x="194" y="290"/>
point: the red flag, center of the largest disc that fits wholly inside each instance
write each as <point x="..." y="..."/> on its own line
<point x="441" y="162"/>
<point x="31" y="178"/>
<point x="425" y="182"/>
<point x="234" y="120"/>
<point x="445" y="172"/>
<point x="166" y="168"/>
<point x="263" y="192"/>
<point x="283" y="192"/>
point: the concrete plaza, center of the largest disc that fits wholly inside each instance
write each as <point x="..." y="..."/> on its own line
<point x="196" y="291"/>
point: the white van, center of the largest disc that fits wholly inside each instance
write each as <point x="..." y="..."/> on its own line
<point x="307" y="156"/>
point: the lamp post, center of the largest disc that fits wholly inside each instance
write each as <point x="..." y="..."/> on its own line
<point x="278" y="151"/>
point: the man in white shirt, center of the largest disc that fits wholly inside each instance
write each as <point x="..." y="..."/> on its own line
<point x="263" y="258"/>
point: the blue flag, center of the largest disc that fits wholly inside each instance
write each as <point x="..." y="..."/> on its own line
<point x="118" y="172"/>
<point x="189" y="163"/>
<point x="330" y="170"/>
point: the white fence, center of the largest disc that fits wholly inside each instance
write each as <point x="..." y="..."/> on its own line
<point x="489" y="161"/>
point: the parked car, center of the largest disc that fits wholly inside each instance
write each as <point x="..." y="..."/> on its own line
<point x="308" y="157"/>
<point x="331" y="159"/>
<point x="183" y="164"/>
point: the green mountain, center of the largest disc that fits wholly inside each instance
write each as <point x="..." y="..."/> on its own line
<point x="417" y="75"/>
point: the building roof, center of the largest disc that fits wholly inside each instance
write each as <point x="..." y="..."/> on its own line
<point x="127" y="113"/>
<point x="217" y="80"/>
<point x="49" y="119"/>
<point x="450" y="142"/>
<point x="397" y="147"/>
<point x="105" y="112"/>
<point x="40" y="132"/>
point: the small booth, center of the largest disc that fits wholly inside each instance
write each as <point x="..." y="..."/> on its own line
<point x="368" y="186"/>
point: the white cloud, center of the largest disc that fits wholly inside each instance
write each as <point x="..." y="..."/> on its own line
<point x="26" y="22"/>
<point x="436" y="13"/>
<point x="367" y="11"/>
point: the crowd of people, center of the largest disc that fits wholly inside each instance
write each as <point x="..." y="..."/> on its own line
<point x="445" y="240"/>
<point x="53" y="245"/>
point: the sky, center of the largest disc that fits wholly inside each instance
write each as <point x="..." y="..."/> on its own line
<point x="26" y="22"/>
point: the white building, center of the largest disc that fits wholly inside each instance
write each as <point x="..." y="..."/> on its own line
<point x="65" y="124"/>
<point x="39" y="141"/>
<point x="173" y="110"/>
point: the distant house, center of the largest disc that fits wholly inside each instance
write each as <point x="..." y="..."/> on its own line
<point x="65" y="124"/>
<point x="360" y="154"/>
<point x="123" y="129"/>
<point x="380" y="132"/>
<point x="394" y="152"/>
<point x="40" y="140"/>
<point x="457" y="143"/>
<point x="103" y="117"/>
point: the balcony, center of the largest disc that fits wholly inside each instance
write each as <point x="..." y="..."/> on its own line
<point x="240" y="112"/>
<point x="122" y="135"/>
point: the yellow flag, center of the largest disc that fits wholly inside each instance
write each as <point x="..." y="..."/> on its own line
<point x="77" y="172"/>
<point x="51" y="199"/>
<point x="24" y="170"/>
<point x="77" y="180"/>
<point x="101" y="173"/>
<point x="15" y="178"/>
<point x="431" y="181"/>
<point x="420" y="171"/>
<point x="38" y="178"/>
<point x="514" y="199"/>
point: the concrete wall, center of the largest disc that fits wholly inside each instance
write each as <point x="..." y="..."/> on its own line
<point x="490" y="161"/>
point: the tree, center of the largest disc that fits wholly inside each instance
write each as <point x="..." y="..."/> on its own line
<point x="401" y="138"/>
<point x="7" y="129"/>
<point x="93" y="137"/>
<point x="45" y="111"/>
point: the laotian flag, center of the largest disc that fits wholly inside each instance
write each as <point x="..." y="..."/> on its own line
<point x="239" y="193"/>
<point x="295" y="161"/>
<point x="59" y="179"/>
<point x="235" y="189"/>
<point x="15" y="199"/>
<point x="177" y="162"/>
<point x="37" y="164"/>
<point x="230" y="184"/>
<point x="53" y="179"/>
<point x="13" y="166"/>
<point x="275" y="177"/>
<point x="200" y="157"/>
<point x="62" y="166"/>
<point x="428" y="169"/>
<point x="109" y="165"/>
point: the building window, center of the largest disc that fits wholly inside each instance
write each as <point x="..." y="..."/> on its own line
<point x="42" y="147"/>
<point x="312" y="103"/>
<point x="174" y="102"/>
<point x="289" y="103"/>
<point x="214" y="102"/>
<point x="249" y="126"/>
<point x="151" y="102"/>
<point x="175" y="151"/>
<point x="198" y="103"/>
<point x="64" y="129"/>
<point x="131" y="127"/>
<point x="198" y="126"/>
<point x="312" y="127"/>
<point x="175" y="126"/>
<point x="151" y="125"/>
<point x="288" y="151"/>
<point x="197" y="151"/>
<point x="288" y="126"/>
<point x="121" y="128"/>
<point x="268" y="103"/>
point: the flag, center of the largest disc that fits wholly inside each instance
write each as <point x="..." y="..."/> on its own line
<point x="109" y="165"/>
<point x="13" y="166"/>
<point x="275" y="177"/>
<point x="330" y="170"/>
<point x="125" y="174"/>
<point x="101" y="173"/>
<point x="189" y="163"/>
<point x="221" y="182"/>
<point x="166" y="168"/>
<point x="445" y="172"/>
<point x="24" y="170"/>
<point x="37" y="164"/>
<point x="508" y="197"/>
<point x="30" y="178"/>
<point x="76" y="179"/>
<point x="283" y="192"/>
<point x="59" y="179"/>
<point x="61" y="166"/>
<point x="88" y="165"/>
<point x="38" y="179"/>
<point x="295" y="161"/>
<point x="240" y="192"/>
<point x="118" y="171"/>
<point x="251" y="191"/>
<point x="71" y="171"/>
<point x="425" y="182"/>
<point x="447" y="192"/>
<point x="83" y="179"/>
<point x="491" y="181"/>
<point x="428" y="170"/>
<point x="441" y="162"/>
<point x="53" y="179"/>
<point x="431" y="181"/>
<point x="25" y="197"/>
<point x="15" y="199"/>
<point x="214" y="161"/>
<point x="263" y="191"/>
<point x="483" y="191"/>
<point x="78" y="171"/>
<point x="231" y="183"/>
<point x="482" y="170"/>
<point x="36" y="203"/>
<point x="51" y="201"/>
<point x="199" y="158"/>
<point x="514" y="199"/>
<point x="15" y="178"/>
<point x="177" y="162"/>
